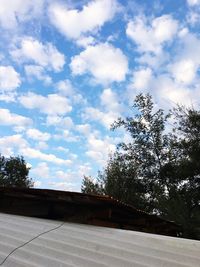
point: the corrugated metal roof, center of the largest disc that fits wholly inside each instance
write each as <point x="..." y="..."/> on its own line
<point x="70" y="244"/>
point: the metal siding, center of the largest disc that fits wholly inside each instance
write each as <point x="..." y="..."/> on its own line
<point x="84" y="245"/>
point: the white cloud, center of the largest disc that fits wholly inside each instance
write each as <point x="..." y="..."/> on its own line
<point x="109" y="111"/>
<point x="35" y="134"/>
<point x="38" y="72"/>
<point x="105" y="118"/>
<point x="84" y="129"/>
<point x="141" y="79"/>
<point x="8" y="96"/>
<point x="186" y="62"/>
<point x="84" y="169"/>
<point x="105" y="62"/>
<point x="63" y="175"/>
<point x="193" y="17"/>
<point x="168" y="91"/>
<point x="63" y="149"/>
<point x="8" y="118"/>
<point x="16" y="11"/>
<point x="85" y="41"/>
<point x="154" y="61"/>
<point x="37" y="154"/>
<point x="150" y="37"/>
<point x="65" y="88"/>
<point x="110" y="101"/>
<point x="174" y="93"/>
<point x="66" y="186"/>
<point x="73" y="23"/>
<point x="9" y="78"/>
<point x="45" y="55"/>
<point x="59" y="121"/>
<point x="41" y="145"/>
<point x="8" y="144"/>
<point x="184" y="71"/>
<point x="52" y="104"/>
<point x="193" y="2"/>
<point x="99" y="149"/>
<point x="16" y="144"/>
<point x="41" y="171"/>
<point x="66" y="136"/>
<point x="189" y="48"/>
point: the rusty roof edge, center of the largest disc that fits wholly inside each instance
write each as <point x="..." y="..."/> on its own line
<point x="56" y="193"/>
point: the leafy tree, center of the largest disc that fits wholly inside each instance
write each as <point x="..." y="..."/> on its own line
<point x="136" y="165"/>
<point x="159" y="170"/>
<point x="14" y="172"/>
<point x="89" y="186"/>
<point x="182" y="203"/>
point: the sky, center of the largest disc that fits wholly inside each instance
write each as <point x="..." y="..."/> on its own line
<point x="68" y="69"/>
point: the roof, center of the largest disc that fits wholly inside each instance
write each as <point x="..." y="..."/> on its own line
<point x="35" y="242"/>
<point x="81" y="208"/>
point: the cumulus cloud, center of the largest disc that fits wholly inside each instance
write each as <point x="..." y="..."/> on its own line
<point x="16" y="144"/>
<point x="168" y="91"/>
<point x="106" y="118"/>
<point x="189" y="48"/>
<point x="51" y="104"/>
<point x="109" y="111"/>
<point x="85" y="41"/>
<point x="84" y="129"/>
<point x="9" y="78"/>
<point x="41" y="171"/>
<point x="35" y="134"/>
<point x="65" y="88"/>
<point x="110" y="101"/>
<point x="150" y="37"/>
<point x="16" y="11"/>
<point x="45" y="55"/>
<point x="38" y="72"/>
<point x="37" y="154"/>
<point x="141" y="79"/>
<point x="66" y="135"/>
<point x="8" y="96"/>
<point x="9" y="144"/>
<point x="174" y="93"/>
<point x="60" y="121"/>
<point x="8" y="118"/>
<point x="193" y="2"/>
<point x="99" y="149"/>
<point x="103" y="61"/>
<point x="73" y="23"/>
<point x="184" y="71"/>
<point x="185" y="64"/>
<point x="68" y="186"/>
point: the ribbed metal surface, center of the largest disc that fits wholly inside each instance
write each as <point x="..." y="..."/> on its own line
<point x="90" y="246"/>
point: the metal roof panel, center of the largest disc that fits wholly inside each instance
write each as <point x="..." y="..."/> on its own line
<point x="71" y="244"/>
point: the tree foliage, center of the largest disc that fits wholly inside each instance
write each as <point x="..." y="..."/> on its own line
<point x="159" y="170"/>
<point x="14" y="172"/>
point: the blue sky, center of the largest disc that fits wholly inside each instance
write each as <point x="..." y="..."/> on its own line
<point x="68" y="69"/>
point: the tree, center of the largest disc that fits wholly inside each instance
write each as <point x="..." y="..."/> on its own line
<point x="14" y="172"/>
<point x="159" y="170"/>
<point x="89" y="186"/>
<point x="182" y="204"/>
<point x="136" y="165"/>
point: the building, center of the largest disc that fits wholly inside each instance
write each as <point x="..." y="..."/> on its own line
<point x="53" y="228"/>
<point x="82" y="208"/>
